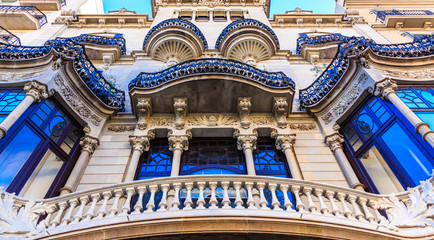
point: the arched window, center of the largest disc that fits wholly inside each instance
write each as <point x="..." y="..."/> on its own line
<point x="39" y="150"/>
<point x="268" y="160"/>
<point x="213" y="156"/>
<point x="157" y="162"/>
<point x="388" y="155"/>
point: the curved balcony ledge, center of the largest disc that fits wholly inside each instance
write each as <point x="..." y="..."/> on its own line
<point x="17" y="57"/>
<point x="216" y="203"/>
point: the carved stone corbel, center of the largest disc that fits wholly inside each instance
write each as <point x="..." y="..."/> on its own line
<point x="144" y="109"/>
<point x="180" y="109"/>
<point x="280" y="111"/>
<point x="244" y="109"/>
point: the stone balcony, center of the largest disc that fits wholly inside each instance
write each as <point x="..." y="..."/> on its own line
<point x="21" y="17"/>
<point x="221" y="204"/>
<point x="44" y="5"/>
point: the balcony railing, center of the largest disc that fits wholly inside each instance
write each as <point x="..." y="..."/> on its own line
<point x="354" y="46"/>
<point x="32" y="10"/>
<point x="217" y="196"/>
<point x="318" y="40"/>
<point x="381" y="15"/>
<point x="212" y="66"/>
<point x="9" y="37"/>
<point x="117" y="40"/>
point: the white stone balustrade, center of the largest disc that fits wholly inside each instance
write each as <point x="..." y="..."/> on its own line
<point x="215" y="194"/>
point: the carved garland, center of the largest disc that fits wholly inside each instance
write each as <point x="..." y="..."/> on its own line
<point x="121" y="128"/>
<point x="75" y="102"/>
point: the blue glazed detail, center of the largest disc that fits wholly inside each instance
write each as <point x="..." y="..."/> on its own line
<point x="117" y="40"/>
<point x="62" y="3"/>
<point x="381" y="15"/>
<point x="176" y="22"/>
<point x="323" y="39"/>
<point x="9" y="37"/>
<point x="32" y="10"/>
<point x="13" y="52"/>
<point x="211" y="66"/>
<point x="245" y="23"/>
<point x="354" y="46"/>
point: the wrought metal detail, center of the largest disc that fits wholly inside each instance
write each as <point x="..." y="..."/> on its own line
<point x="176" y="22"/>
<point x="245" y="23"/>
<point x="12" y="52"/>
<point x="32" y="10"/>
<point x="116" y="40"/>
<point x="212" y="66"/>
<point x="323" y="39"/>
<point x="355" y="46"/>
<point x="381" y="15"/>
<point x="9" y="37"/>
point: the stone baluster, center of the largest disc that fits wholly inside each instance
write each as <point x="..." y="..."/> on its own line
<point x="238" y="201"/>
<point x="310" y="204"/>
<point x="127" y="205"/>
<point x="285" y="143"/>
<point x="213" y="201"/>
<point x="368" y="214"/>
<point x="51" y="211"/>
<point x="178" y="144"/>
<point x="139" y="144"/>
<point x="386" y="90"/>
<point x="176" y="203"/>
<point x="322" y="206"/>
<point x="263" y="202"/>
<point x="79" y="215"/>
<point x="138" y="207"/>
<point x="163" y="201"/>
<point x="274" y="202"/>
<point x="378" y="217"/>
<point x="357" y="212"/>
<point x="36" y="92"/>
<point x="299" y="205"/>
<point x="287" y="203"/>
<point x="114" y="208"/>
<point x="91" y="212"/>
<point x="347" y="212"/>
<point x="335" y="141"/>
<point x="151" y="203"/>
<point x="250" y="199"/>
<point x="67" y="218"/>
<point x="247" y="143"/>
<point x="102" y="210"/>
<point x="188" y="201"/>
<point x="331" y="197"/>
<point x="201" y="200"/>
<point x="88" y="145"/>
<point x="226" y="201"/>
<point x="56" y="220"/>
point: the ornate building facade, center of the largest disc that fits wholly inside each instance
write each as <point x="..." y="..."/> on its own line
<point x="213" y="119"/>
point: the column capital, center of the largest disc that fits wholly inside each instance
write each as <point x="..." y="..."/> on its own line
<point x="179" y="141"/>
<point x="334" y="141"/>
<point x="144" y="111"/>
<point x="141" y="143"/>
<point x="283" y="141"/>
<point x="89" y="144"/>
<point x="37" y="90"/>
<point x="384" y="88"/>
<point x="246" y="140"/>
<point x="180" y="108"/>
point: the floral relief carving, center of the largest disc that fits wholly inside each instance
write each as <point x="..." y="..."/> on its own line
<point x="10" y="76"/>
<point x="302" y="126"/>
<point x="422" y="74"/>
<point x="162" y="121"/>
<point x="121" y="128"/>
<point x="346" y="101"/>
<point x="262" y="120"/>
<point x="212" y="120"/>
<point x="76" y="103"/>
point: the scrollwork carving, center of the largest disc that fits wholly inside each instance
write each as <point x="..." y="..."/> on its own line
<point x="244" y="108"/>
<point x="302" y="126"/>
<point x="121" y="128"/>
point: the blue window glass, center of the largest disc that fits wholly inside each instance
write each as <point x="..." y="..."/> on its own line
<point x="421" y="101"/>
<point x="9" y="100"/>
<point x="268" y="160"/>
<point x="157" y="162"/>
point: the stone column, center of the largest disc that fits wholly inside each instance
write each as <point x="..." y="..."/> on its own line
<point x="178" y="144"/>
<point x="88" y="145"/>
<point x="36" y="92"/>
<point x="247" y="143"/>
<point x="285" y="142"/>
<point x="386" y="90"/>
<point x="139" y="145"/>
<point x="335" y="143"/>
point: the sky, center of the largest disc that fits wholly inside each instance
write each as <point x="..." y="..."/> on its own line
<point x="277" y="6"/>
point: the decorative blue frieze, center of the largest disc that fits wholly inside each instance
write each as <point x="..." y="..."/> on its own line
<point x="318" y="40"/>
<point x="245" y="23"/>
<point x="9" y="37"/>
<point x="32" y="10"/>
<point x="212" y="66"/>
<point x="176" y="22"/>
<point x="354" y="46"/>
<point x="117" y="40"/>
<point x="381" y="15"/>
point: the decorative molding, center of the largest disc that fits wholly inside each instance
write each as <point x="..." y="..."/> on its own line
<point x="75" y="102"/>
<point x="262" y="120"/>
<point x="162" y="121"/>
<point x="212" y="120"/>
<point x="144" y="109"/>
<point x="180" y="109"/>
<point x="346" y="101"/>
<point x="244" y="109"/>
<point x="421" y="74"/>
<point x="280" y="111"/>
<point x="11" y="76"/>
<point x="121" y="128"/>
<point x="303" y="126"/>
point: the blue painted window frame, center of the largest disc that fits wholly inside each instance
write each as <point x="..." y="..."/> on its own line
<point x="41" y="149"/>
<point x="268" y="145"/>
<point x="375" y="140"/>
<point x="156" y="147"/>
